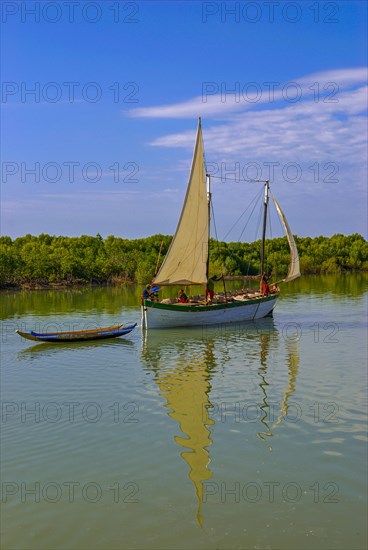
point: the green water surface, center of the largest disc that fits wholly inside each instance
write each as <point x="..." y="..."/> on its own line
<point x="248" y="436"/>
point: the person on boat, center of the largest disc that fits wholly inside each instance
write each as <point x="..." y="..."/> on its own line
<point x="265" y="288"/>
<point x="210" y="289"/>
<point x="183" y="298"/>
<point x="154" y="293"/>
<point x="275" y="288"/>
<point x="147" y="294"/>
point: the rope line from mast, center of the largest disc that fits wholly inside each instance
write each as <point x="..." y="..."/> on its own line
<point x="255" y="200"/>
<point x="216" y="237"/>
<point x="237" y="180"/>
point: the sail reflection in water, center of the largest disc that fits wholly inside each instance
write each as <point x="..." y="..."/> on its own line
<point x="293" y="368"/>
<point x="186" y="387"/>
<point x="185" y="365"/>
<point x="293" y="361"/>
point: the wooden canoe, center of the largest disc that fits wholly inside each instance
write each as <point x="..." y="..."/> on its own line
<point x="78" y="335"/>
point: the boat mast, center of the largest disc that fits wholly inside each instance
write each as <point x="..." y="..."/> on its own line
<point x="265" y="206"/>
<point x="208" y="185"/>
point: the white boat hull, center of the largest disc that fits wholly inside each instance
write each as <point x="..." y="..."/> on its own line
<point x="157" y="315"/>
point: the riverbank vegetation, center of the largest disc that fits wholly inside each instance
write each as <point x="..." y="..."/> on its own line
<point x="55" y="260"/>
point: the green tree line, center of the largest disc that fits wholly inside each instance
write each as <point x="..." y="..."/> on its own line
<point x="47" y="259"/>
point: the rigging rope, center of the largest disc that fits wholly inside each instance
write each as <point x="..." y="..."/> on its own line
<point x="214" y="221"/>
<point x="237" y="180"/>
<point x="255" y="204"/>
<point x="255" y="200"/>
<point x="215" y="228"/>
<point x="270" y="236"/>
<point x="256" y="233"/>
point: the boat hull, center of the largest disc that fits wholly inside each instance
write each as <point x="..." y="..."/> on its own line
<point x="78" y="336"/>
<point x="158" y="315"/>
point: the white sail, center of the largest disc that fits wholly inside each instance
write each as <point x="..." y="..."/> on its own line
<point x="186" y="260"/>
<point x="294" y="266"/>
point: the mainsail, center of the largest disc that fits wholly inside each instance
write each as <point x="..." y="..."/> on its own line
<point x="294" y="267"/>
<point x="186" y="260"/>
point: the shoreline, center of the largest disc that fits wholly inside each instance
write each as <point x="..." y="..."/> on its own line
<point x="50" y="262"/>
<point x="64" y="285"/>
<point x="78" y="284"/>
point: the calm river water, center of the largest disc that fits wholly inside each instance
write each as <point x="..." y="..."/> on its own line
<point x="249" y="436"/>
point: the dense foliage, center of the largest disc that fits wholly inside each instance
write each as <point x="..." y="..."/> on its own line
<point x="49" y="259"/>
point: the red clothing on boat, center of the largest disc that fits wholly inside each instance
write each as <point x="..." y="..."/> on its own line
<point x="265" y="289"/>
<point x="210" y="294"/>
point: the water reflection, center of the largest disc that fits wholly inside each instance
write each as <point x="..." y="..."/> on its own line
<point x="262" y="372"/>
<point x="49" y="349"/>
<point x="110" y="299"/>
<point x="185" y="363"/>
<point x="293" y="362"/>
<point x="65" y="302"/>
<point x="186" y="384"/>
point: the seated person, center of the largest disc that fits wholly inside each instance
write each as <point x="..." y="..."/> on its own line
<point x="147" y="294"/>
<point x="183" y="298"/>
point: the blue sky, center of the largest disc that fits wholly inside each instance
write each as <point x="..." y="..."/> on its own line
<point x="103" y="143"/>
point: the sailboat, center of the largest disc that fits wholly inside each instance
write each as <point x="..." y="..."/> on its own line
<point x="187" y="263"/>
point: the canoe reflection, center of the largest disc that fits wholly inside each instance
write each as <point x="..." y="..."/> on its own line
<point x="49" y="349"/>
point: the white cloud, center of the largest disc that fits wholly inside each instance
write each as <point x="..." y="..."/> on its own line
<point x="201" y="105"/>
<point x="324" y="133"/>
<point x="217" y="99"/>
<point x="343" y="77"/>
<point x="305" y="132"/>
